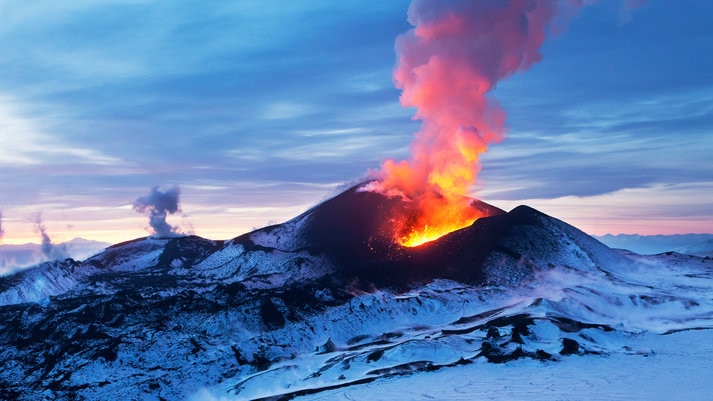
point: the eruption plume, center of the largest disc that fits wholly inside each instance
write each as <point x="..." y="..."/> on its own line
<point x="158" y="204"/>
<point x="447" y="66"/>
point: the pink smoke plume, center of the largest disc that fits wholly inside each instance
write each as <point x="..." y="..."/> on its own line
<point x="447" y="67"/>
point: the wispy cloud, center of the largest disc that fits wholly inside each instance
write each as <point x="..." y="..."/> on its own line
<point x="653" y="209"/>
<point x="22" y="142"/>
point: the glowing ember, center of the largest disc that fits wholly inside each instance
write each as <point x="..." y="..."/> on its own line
<point x="446" y="67"/>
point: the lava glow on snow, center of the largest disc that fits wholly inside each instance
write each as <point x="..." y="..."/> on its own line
<point x="446" y="67"/>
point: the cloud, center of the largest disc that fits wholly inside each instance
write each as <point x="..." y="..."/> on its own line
<point x="647" y="210"/>
<point x="598" y="147"/>
<point x="22" y="142"/>
<point x="2" y="231"/>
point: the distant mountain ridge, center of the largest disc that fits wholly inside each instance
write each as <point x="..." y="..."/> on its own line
<point x="655" y="244"/>
<point x="14" y="257"/>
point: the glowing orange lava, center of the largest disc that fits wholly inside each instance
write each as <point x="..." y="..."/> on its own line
<point x="426" y="233"/>
<point x="433" y="217"/>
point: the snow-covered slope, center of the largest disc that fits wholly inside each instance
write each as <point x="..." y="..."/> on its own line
<point x="327" y="302"/>
<point x="675" y="367"/>
<point x="704" y="248"/>
<point x="39" y="283"/>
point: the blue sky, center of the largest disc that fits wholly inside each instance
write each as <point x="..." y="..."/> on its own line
<point x="258" y="110"/>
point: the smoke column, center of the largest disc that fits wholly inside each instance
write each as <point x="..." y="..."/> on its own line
<point x="45" y="241"/>
<point x="49" y="250"/>
<point x="446" y="67"/>
<point x="46" y="245"/>
<point x="158" y="204"/>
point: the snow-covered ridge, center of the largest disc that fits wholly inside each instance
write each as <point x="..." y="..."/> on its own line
<point x="39" y="283"/>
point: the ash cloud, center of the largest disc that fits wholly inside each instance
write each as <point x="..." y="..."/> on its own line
<point x="158" y="204"/>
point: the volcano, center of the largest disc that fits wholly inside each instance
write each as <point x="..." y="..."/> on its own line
<point x="329" y="301"/>
<point x="354" y="232"/>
